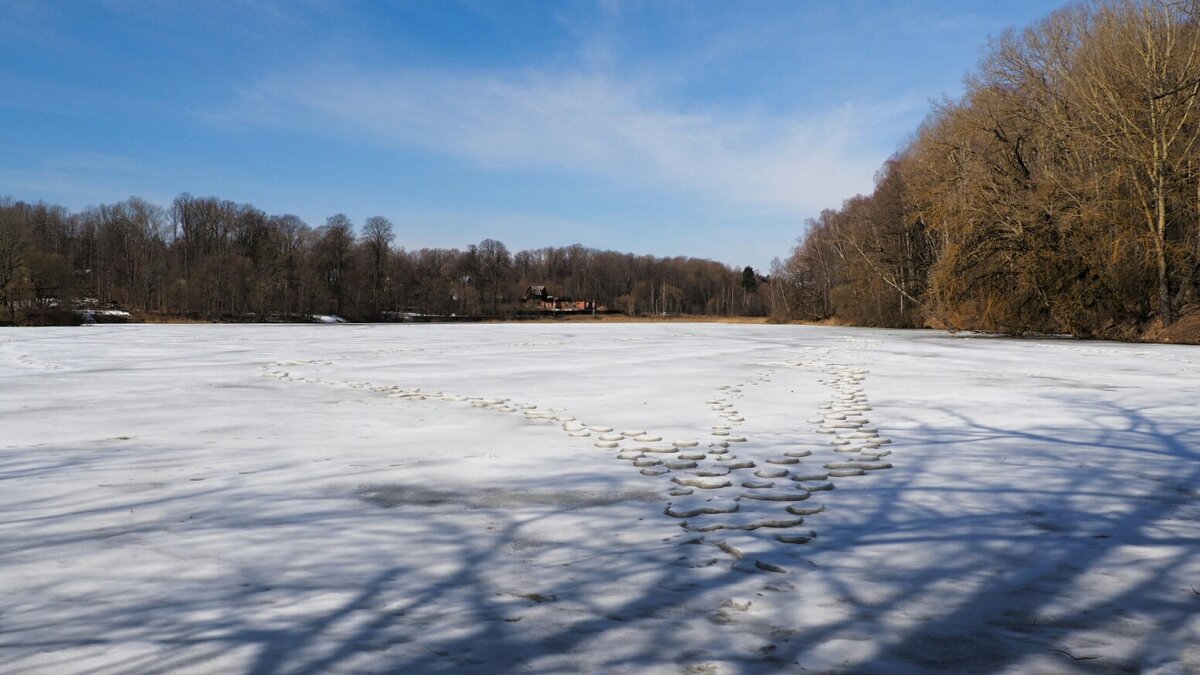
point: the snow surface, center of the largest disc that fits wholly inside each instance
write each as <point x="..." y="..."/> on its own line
<point x="349" y="498"/>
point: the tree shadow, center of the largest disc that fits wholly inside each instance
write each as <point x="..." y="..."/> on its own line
<point x="446" y="581"/>
<point x="1031" y="584"/>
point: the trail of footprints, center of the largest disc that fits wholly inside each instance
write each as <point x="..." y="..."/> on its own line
<point x="750" y="510"/>
<point x="756" y="506"/>
<point x="32" y="362"/>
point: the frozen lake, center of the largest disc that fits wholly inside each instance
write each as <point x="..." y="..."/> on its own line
<point x="595" y="498"/>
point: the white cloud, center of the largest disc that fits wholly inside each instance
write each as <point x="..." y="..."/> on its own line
<point x="594" y="124"/>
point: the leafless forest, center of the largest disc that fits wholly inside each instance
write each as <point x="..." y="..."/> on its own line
<point x="1059" y="194"/>
<point x="212" y="259"/>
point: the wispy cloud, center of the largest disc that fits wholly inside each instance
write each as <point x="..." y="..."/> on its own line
<point x="34" y="23"/>
<point x="75" y="188"/>
<point x="593" y="124"/>
<point x="80" y="179"/>
<point x="109" y="162"/>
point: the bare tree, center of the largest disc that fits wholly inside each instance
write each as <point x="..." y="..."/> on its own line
<point x="494" y="264"/>
<point x="12" y="248"/>
<point x="377" y="238"/>
<point x="334" y="248"/>
<point x="1137" y="84"/>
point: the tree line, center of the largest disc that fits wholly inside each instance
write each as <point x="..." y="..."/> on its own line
<point x="216" y="259"/>
<point x="1059" y="194"/>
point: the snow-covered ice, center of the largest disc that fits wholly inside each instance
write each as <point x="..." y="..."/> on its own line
<point x="595" y="498"/>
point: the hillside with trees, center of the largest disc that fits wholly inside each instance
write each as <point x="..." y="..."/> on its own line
<point x="1059" y="194"/>
<point x="212" y="259"/>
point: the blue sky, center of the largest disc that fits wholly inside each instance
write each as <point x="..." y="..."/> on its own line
<point x="709" y="129"/>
